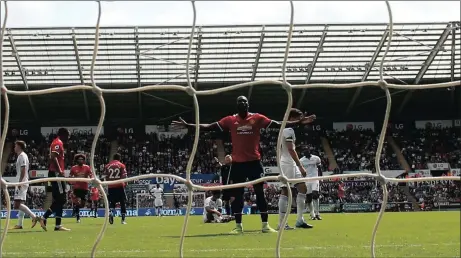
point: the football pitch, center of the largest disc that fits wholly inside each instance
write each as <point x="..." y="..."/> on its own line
<point x="406" y="234"/>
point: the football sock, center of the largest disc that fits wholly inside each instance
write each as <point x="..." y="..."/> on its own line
<point x="47" y="213"/>
<point x="300" y="203"/>
<point x="20" y="218"/>
<point x="58" y="222"/>
<point x="316" y="206"/>
<point x="238" y="218"/>
<point x="311" y="209"/>
<point x="283" y="206"/>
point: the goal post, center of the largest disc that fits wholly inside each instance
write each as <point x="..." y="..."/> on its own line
<point x="145" y="204"/>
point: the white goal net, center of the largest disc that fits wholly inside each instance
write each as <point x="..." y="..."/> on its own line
<point x="174" y="204"/>
<point x="189" y="89"/>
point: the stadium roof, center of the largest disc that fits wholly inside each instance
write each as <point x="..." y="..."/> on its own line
<point x="320" y="53"/>
<point x="34" y="58"/>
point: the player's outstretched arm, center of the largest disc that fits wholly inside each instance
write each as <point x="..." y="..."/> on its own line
<point x="210" y="127"/>
<point x="304" y="121"/>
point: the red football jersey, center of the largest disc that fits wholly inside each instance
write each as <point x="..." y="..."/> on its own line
<point x="57" y="147"/>
<point x="245" y="135"/>
<point x="115" y="170"/>
<point x="81" y="172"/>
<point x="94" y="194"/>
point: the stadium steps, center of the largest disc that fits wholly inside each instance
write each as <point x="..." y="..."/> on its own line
<point x="6" y="153"/>
<point x="411" y="197"/>
<point x="113" y="148"/>
<point x="402" y="161"/>
<point x="329" y="152"/>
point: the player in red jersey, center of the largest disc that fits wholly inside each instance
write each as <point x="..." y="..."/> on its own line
<point x="116" y="170"/>
<point x="80" y="189"/>
<point x="58" y="189"/>
<point x="244" y="128"/>
<point x="94" y="193"/>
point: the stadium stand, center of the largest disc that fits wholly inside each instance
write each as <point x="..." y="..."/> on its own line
<point x="353" y="149"/>
<point x="154" y="151"/>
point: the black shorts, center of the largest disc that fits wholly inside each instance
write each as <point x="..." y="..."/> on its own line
<point x="240" y="172"/>
<point x="58" y="189"/>
<point x="81" y="193"/>
<point x="117" y="195"/>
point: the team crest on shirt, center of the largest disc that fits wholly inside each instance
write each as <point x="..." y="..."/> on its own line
<point x="252" y="122"/>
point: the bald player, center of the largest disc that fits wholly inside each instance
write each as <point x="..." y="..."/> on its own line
<point x="245" y="129"/>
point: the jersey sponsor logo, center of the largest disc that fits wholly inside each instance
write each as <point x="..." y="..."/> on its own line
<point x="245" y="129"/>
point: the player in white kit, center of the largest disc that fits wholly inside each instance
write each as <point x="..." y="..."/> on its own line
<point x="292" y="169"/>
<point x="212" y="208"/>
<point x="20" y="192"/>
<point x="158" y="199"/>
<point x="311" y="163"/>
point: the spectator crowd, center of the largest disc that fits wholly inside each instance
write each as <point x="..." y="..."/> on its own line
<point x="353" y="150"/>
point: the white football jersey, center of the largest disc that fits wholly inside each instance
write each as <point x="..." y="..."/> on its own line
<point x="157" y="193"/>
<point x="311" y="164"/>
<point x="210" y="203"/>
<point x="22" y="161"/>
<point x="288" y="136"/>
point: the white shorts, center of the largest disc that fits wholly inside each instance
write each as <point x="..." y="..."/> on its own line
<point x="158" y="202"/>
<point x="313" y="186"/>
<point x="20" y="193"/>
<point x="291" y="172"/>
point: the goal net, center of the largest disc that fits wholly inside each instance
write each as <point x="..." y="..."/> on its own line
<point x="194" y="93"/>
<point x="174" y="204"/>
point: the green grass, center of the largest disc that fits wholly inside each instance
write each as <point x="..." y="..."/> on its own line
<point x="419" y="234"/>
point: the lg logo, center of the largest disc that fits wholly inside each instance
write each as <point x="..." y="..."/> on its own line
<point x="395" y="126"/>
<point x="316" y="128"/>
<point x="16" y="132"/>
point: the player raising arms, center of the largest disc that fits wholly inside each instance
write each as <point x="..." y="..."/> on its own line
<point x="80" y="189"/>
<point x="157" y="192"/>
<point x="245" y="133"/>
<point x="292" y="169"/>
<point x="311" y="163"/>
<point x="116" y="170"/>
<point x="20" y="192"/>
<point x="57" y="170"/>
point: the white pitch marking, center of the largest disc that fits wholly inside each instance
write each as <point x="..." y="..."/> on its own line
<point x="236" y="249"/>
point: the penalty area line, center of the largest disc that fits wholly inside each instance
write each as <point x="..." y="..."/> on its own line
<point x="233" y="249"/>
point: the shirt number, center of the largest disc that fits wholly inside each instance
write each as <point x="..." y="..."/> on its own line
<point x="114" y="173"/>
